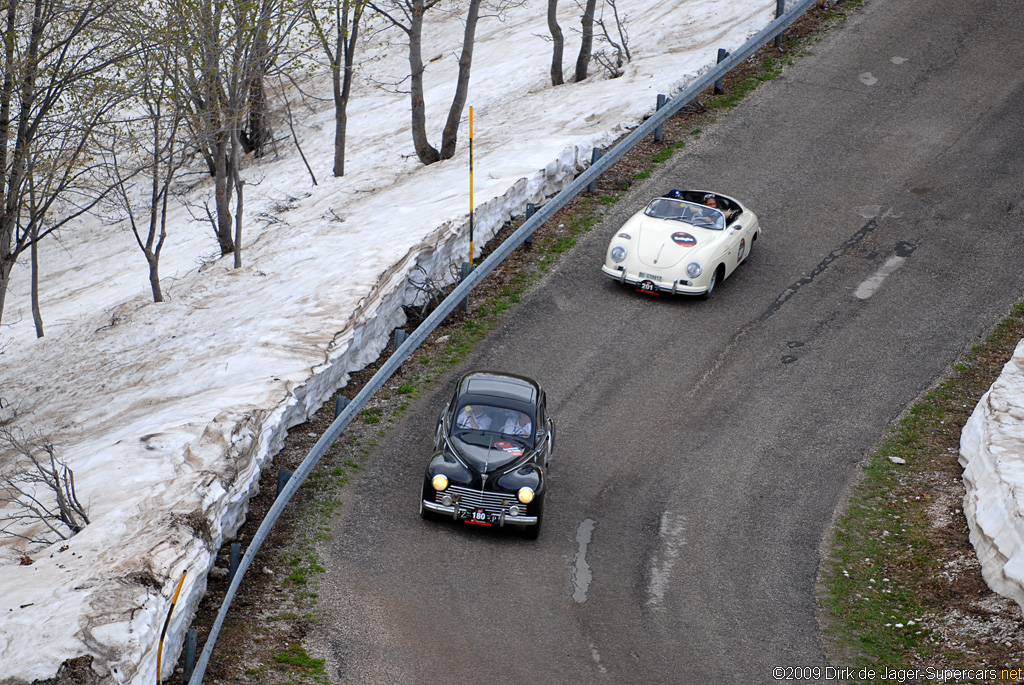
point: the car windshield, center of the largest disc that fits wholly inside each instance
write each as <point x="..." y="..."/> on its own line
<point x="491" y="420"/>
<point x="687" y="212"/>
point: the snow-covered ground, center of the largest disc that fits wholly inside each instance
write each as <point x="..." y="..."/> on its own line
<point x="992" y="454"/>
<point x="167" y="412"/>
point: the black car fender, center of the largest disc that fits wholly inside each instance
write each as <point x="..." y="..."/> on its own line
<point x="526" y="476"/>
<point x="445" y="464"/>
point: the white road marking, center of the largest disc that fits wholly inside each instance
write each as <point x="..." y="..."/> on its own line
<point x="869" y="211"/>
<point x="597" y="659"/>
<point x="672" y="530"/>
<point x="868" y="287"/>
<point x="867" y="79"/>
<point x="581" y="573"/>
<point x="899" y="60"/>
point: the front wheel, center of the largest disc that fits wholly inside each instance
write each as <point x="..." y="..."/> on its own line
<point x="711" y="285"/>
<point x="533" y="532"/>
<point x="425" y="513"/>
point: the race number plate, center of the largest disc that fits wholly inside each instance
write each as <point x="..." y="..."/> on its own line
<point x="647" y="287"/>
<point x="476" y="516"/>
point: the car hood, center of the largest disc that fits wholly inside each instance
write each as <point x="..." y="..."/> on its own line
<point x="665" y="244"/>
<point x="490" y="455"/>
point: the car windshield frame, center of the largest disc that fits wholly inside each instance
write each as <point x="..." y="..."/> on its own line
<point x="692" y="213"/>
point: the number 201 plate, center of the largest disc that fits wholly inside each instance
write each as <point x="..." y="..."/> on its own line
<point x="647" y="287"/>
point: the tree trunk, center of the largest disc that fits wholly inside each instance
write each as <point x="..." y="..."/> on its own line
<point x="258" y="129"/>
<point x="340" y="126"/>
<point x="37" y="315"/>
<point x="583" y="61"/>
<point x="340" y="80"/>
<point x="239" y="184"/>
<point x="222" y="196"/>
<point x="346" y="41"/>
<point x="450" y="135"/>
<point x="558" y="43"/>
<point x="424" y="150"/>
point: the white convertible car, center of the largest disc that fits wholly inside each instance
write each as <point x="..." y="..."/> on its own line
<point x="684" y="243"/>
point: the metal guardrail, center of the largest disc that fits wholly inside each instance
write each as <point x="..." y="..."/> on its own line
<point x="461" y="292"/>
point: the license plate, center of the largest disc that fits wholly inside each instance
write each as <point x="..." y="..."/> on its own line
<point x="478" y="517"/>
<point x="647" y="287"/>
<point x="650" y="277"/>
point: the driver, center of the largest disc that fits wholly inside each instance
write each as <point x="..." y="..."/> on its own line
<point x="707" y="217"/>
<point x="517" y="423"/>
<point x="473" y="417"/>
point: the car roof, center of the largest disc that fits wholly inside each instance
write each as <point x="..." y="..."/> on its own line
<point x="498" y="385"/>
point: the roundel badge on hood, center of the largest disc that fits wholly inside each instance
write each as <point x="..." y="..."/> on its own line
<point x="684" y="239"/>
<point x="510" y="448"/>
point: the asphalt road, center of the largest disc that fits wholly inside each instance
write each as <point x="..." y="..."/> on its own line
<point x="704" y="446"/>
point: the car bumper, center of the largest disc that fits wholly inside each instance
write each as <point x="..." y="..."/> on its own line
<point x="501" y="518"/>
<point x="680" y="287"/>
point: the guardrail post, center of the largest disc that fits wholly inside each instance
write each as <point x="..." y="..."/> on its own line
<point x="191" y="638"/>
<point x="531" y="209"/>
<point x="283" y="476"/>
<point x="658" y="132"/>
<point x="467" y="269"/>
<point x="400" y="337"/>
<point x="780" y="9"/>
<point x="594" y="156"/>
<point x="340" y="404"/>
<point x="719" y="87"/>
<point x="236" y="556"/>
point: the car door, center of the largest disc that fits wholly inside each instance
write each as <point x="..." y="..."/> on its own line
<point x="444" y="423"/>
<point x="545" y="435"/>
<point x="736" y="241"/>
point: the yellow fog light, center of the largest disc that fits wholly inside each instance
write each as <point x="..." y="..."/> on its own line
<point x="525" y="495"/>
<point x="439" y="482"/>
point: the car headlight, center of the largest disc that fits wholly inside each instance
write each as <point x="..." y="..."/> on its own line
<point x="618" y="253"/>
<point x="694" y="269"/>
<point x="439" y="482"/>
<point x="525" y="495"/>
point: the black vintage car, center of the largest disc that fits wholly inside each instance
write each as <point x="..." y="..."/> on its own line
<point x="491" y="449"/>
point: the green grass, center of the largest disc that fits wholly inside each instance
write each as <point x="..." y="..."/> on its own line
<point x="297" y="658"/>
<point x="879" y="581"/>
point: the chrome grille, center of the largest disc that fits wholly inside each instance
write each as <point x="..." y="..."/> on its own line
<point x="491" y="502"/>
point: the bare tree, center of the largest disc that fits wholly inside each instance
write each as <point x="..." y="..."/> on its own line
<point x="618" y="53"/>
<point x="408" y="16"/>
<point x="154" y="153"/>
<point x="558" y="43"/>
<point x="227" y="49"/>
<point x="337" y="36"/>
<point x="57" y="92"/>
<point x="38" y="488"/>
<point x="430" y="291"/>
<point x="587" y="45"/>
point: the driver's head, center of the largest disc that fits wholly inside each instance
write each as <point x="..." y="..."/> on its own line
<point x="710" y="201"/>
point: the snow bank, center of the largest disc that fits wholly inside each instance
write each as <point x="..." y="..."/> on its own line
<point x="992" y="454"/>
<point x="168" y="412"/>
